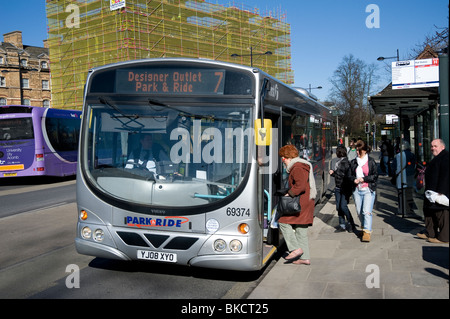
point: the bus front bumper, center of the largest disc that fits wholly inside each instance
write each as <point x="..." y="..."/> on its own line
<point x="248" y="262"/>
<point x="85" y="247"/>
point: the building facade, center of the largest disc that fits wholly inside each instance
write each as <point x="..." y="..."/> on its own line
<point x="24" y="72"/>
<point x="89" y="33"/>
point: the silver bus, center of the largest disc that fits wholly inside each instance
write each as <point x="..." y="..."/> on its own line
<point x="178" y="161"/>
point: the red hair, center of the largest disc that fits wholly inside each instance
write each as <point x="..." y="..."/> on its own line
<point x="288" y="151"/>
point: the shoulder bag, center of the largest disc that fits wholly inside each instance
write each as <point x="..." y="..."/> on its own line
<point x="289" y="206"/>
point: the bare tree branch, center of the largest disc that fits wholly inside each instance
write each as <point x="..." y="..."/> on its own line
<point x="352" y="82"/>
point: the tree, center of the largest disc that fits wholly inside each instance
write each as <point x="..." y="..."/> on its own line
<point x="436" y="41"/>
<point x="352" y="83"/>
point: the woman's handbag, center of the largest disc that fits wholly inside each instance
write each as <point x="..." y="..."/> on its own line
<point x="289" y="206"/>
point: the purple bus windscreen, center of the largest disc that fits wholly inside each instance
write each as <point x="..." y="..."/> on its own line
<point x="38" y="141"/>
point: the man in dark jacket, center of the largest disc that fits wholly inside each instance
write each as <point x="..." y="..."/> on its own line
<point x="437" y="180"/>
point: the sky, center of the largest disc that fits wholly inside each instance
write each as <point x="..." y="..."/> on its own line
<point x="322" y="31"/>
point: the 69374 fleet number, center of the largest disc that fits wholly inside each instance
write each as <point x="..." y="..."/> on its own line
<point x="238" y="211"/>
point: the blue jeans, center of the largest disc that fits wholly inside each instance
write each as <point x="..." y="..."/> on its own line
<point x="364" y="200"/>
<point x="342" y="208"/>
<point x="386" y="164"/>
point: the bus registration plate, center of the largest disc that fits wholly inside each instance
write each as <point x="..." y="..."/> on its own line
<point x="9" y="174"/>
<point x="156" y="256"/>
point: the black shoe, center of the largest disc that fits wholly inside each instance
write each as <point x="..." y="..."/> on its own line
<point x="339" y="230"/>
<point x="351" y="229"/>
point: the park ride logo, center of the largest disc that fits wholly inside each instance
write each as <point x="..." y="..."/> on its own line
<point x="148" y="222"/>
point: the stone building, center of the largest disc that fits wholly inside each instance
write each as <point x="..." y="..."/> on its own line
<point x="24" y="72"/>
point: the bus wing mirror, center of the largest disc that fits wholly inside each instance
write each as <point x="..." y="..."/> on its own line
<point x="262" y="134"/>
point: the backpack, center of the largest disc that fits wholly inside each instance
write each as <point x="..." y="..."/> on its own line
<point x="420" y="179"/>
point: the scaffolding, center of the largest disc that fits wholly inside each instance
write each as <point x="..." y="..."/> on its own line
<point x="86" y="33"/>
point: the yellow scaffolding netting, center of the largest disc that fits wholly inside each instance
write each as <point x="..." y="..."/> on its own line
<point x="86" y="33"/>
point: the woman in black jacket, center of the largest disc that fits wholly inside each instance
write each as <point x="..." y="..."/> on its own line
<point x="364" y="174"/>
<point x="342" y="190"/>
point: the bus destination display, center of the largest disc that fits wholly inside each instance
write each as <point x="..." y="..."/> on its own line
<point x="170" y="81"/>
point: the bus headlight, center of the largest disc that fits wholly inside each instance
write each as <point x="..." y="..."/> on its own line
<point x="220" y="245"/>
<point x="99" y="235"/>
<point x="235" y="245"/>
<point x="86" y="232"/>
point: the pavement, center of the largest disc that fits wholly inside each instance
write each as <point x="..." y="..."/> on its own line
<point x="395" y="264"/>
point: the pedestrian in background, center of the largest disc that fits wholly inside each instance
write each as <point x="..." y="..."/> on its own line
<point x="404" y="166"/>
<point x="437" y="183"/>
<point x="351" y="151"/>
<point x="364" y="174"/>
<point x="301" y="182"/>
<point x="385" y="155"/>
<point x="342" y="190"/>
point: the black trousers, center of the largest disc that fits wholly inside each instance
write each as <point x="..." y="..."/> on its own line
<point x="437" y="223"/>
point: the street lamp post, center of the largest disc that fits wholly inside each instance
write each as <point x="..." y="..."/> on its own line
<point x="382" y="58"/>
<point x="402" y="189"/>
<point x="317" y="87"/>
<point x="235" y="55"/>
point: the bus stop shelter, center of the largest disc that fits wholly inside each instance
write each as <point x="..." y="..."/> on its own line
<point x="418" y="122"/>
<point x="417" y="110"/>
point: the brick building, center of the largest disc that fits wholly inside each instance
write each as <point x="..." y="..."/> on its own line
<point x="24" y="72"/>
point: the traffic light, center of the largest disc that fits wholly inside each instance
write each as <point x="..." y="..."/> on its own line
<point x="367" y="127"/>
<point x="374" y="127"/>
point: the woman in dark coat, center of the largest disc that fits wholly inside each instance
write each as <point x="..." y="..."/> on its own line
<point x="295" y="228"/>
<point x="342" y="190"/>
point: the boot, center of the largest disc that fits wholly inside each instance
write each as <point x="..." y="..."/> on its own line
<point x="365" y="236"/>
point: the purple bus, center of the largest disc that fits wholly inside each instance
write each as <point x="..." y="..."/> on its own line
<point x="38" y="141"/>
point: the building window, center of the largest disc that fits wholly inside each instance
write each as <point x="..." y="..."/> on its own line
<point x="2" y="81"/>
<point x="23" y="62"/>
<point x="2" y="101"/>
<point x="45" y="85"/>
<point x="26" y="102"/>
<point x="46" y="103"/>
<point x="44" y="65"/>
<point x="25" y="83"/>
<point x="2" y="60"/>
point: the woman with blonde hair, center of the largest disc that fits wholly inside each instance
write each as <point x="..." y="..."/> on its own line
<point x="295" y="228"/>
